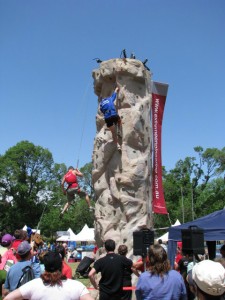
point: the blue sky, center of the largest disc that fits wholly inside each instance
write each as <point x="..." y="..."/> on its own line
<point x="46" y="61"/>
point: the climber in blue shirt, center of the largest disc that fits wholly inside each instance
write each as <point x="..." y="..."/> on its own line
<point x="107" y="107"/>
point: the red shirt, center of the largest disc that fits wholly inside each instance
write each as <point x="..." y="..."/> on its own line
<point x="71" y="179"/>
<point x="15" y="245"/>
<point x="8" y="255"/>
<point x="142" y="267"/>
<point x="66" y="270"/>
<point x="95" y="249"/>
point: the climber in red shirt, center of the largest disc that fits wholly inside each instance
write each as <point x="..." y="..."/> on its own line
<point x="70" y="178"/>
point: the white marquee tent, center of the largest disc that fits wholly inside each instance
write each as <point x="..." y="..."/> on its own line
<point x="85" y="235"/>
<point x="71" y="236"/>
<point x="165" y="236"/>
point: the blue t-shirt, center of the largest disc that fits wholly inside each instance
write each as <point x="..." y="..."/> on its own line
<point x="107" y="106"/>
<point x="15" y="272"/>
<point x="153" y="287"/>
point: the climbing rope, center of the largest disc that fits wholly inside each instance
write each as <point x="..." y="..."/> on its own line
<point x="85" y="107"/>
<point x="42" y="215"/>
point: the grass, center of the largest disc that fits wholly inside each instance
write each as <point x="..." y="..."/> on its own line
<point x="85" y="281"/>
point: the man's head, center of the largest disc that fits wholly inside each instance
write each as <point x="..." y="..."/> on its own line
<point x="7" y="240"/>
<point x="221" y="260"/>
<point x="122" y="250"/>
<point x="23" y="250"/>
<point x="70" y="168"/>
<point x="110" y="245"/>
<point x="209" y="277"/>
<point x="52" y="261"/>
<point x="20" y="234"/>
<point x="222" y="251"/>
<point x="61" y="250"/>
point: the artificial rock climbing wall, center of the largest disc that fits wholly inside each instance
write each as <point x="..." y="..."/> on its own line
<point x="122" y="181"/>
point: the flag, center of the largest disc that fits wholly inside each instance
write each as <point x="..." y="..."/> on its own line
<point x="159" y="93"/>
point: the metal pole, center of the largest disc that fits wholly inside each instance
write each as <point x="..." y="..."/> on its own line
<point x="147" y="250"/>
<point x="192" y="203"/>
<point x="182" y="202"/>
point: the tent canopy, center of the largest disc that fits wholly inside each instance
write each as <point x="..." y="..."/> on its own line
<point x="63" y="238"/>
<point x="165" y="236"/>
<point x="85" y="235"/>
<point x="72" y="235"/>
<point x="69" y="237"/>
<point x="213" y="226"/>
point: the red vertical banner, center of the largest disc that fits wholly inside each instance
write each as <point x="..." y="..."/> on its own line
<point x="159" y="93"/>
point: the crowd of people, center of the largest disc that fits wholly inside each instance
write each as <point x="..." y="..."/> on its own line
<point x="156" y="279"/>
<point x="188" y="279"/>
<point x="51" y="275"/>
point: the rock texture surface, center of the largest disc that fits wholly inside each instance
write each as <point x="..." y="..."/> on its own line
<point x="122" y="181"/>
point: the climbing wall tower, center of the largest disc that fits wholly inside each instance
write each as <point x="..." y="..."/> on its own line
<point x="122" y="181"/>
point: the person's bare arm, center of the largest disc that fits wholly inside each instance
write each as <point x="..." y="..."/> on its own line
<point x="91" y="276"/>
<point x="116" y="89"/>
<point x="62" y="185"/>
<point x="135" y="271"/>
<point x="138" y="264"/>
<point x="5" y="292"/>
<point x="15" y="295"/>
<point x="78" y="172"/>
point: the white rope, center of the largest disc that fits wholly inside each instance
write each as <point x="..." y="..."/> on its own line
<point x="85" y="106"/>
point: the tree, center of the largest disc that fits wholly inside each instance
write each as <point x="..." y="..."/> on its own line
<point x="86" y="181"/>
<point x="211" y="198"/>
<point x="78" y="214"/>
<point x="27" y="182"/>
<point x="187" y="186"/>
<point x="214" y="160"/>
<point x="75" y="218"/>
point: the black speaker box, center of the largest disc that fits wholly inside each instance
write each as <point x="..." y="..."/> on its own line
<point x="142" y="240"/>
<point x="211" y="245"/>
<point x="193" y="240"/>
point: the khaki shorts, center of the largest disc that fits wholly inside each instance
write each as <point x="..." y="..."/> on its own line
<point x="70" y="193"/>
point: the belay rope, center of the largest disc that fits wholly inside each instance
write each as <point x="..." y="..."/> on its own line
<point x="85" y="107"/>
<point x="81" y="140"/>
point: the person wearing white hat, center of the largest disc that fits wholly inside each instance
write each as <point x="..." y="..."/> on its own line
<point x="209" y="278"/>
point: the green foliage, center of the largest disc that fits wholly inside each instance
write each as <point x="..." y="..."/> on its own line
<point x="28" y="180"/>
<point x="211" y="198"/>
<point x="75" y="218"/>
<point x="194" y="187"/>
<point x="30" y="190"/>
<point x="86" y="181"/>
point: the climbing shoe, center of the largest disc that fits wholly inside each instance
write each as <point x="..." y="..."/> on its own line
<point x="119" y="133"/>
<point x="118" y="147"/>
<point x="91" y="208"/>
